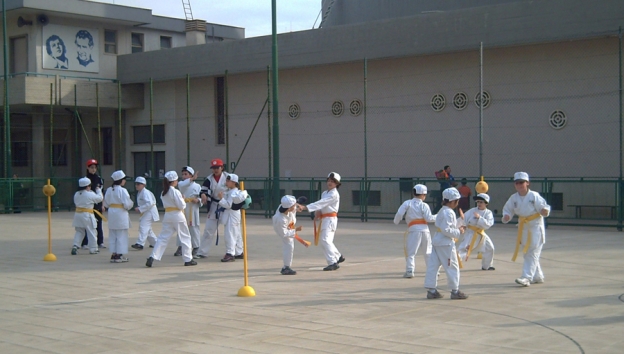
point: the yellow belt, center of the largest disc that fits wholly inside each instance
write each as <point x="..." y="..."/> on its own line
<point x="87" y="210"/>
<point x="411" y="223"/>
<point x="172" y="209"/>
<point x="317" y="230"/>
<point x="190" y="209"/>
<point x="521" y="222"/>
<point x="118" y="206"/>
<point x="459" y="261"/>
<point x="474" y="238"/>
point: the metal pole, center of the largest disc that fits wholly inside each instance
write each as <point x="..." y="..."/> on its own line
<point x="365" y="144"/>
<point x="7" y="112"/>
<point x="227" y="122"/>
<point x="276" y="168"/>
<point x="76" y="147"/>
<point x="481" y="110"/>
<point x="152" y="171"/>
<point x="99" y="123"/>
<point x="188" y="119"/>
<point x="269" y="122"/>
<point x="621" y="183"/>
<point x="51" y="130"/>
<point x="119" y="161"/>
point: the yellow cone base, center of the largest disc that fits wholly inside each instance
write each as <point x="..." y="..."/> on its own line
<point x="49" y="257"/>
<point x="246" y="291"/>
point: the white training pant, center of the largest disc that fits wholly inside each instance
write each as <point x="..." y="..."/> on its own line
<point x="146" y="232"/>
<point x="445" y="256"/>
<point x="195" y="238"/>
<point x="169" y="229"/>
<point x="288" y="248"/>
<point x="486" y="249"/>
<point x="118" y="241"/>
<point x="414" y="240"/>
<point x="233" y="238"/>
<point x="91" y="235"/>
<point x="210" y="232"/>
<point x="327" y="242"/>
<point x="531" y="269"/>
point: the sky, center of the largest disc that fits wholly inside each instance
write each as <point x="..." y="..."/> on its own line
<point x="253" y="15"/>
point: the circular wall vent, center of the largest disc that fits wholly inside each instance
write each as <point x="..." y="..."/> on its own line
<point x="557" y="120"/>
<point x="460" y="101"/>
<point x="438" y="102"/>
<point x="355" y="108"/>
<point x="294" y="111"/>
<point x="337" y="108"/>
<point x="486" y="99"/>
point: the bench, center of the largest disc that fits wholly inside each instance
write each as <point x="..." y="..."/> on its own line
<point x="579" y="209"/>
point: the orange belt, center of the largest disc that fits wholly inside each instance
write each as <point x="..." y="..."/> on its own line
<point x="413" y="222"/>
<point x="87" y="210"/>
<point x="521" y="222"/>
<point x="477" y="231"/>
<point x="317" y="230"/>
<point x="291" y="226"/>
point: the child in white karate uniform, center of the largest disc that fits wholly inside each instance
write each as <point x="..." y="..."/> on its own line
<point x="327" y="211"/>
<point x="531" y="209"/>
<point x="173" y="222"/>
<point x="231" y="202"/>
<point x="212" y="186"/>
<point x="443" y="252"/>
<point x="84" y="220"/>
<point x="190" y="191"/>
<point x="149" y="214"/>
<point x="417" y="214"/>
<point x="117" y="201"/>
<point x="284" y="222"/>
<point x="478" y="220"/>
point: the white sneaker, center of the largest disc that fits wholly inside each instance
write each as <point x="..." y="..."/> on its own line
<point x="523" y="281"/>
<point x="85" y="247"/>
<point x="537" y="281"/>
<point x="408" y="275"/>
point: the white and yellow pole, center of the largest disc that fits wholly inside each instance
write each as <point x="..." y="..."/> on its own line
<point x="49" y="191"/>
<point x="245" y="291"/>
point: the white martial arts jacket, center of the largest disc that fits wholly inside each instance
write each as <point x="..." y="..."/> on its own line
<point x="530" y="204"/>
<point x="147" y="204"/>
<point x="282" y="221"/>
<point x="232" y="196"/>
<point x="118" y="218"/>
<point x="173" y="199"/>
<point x="414" y="209"/>
<point x="484" y="222"/>
<point x="190" y="189"/>
<point x="446" y="222"/>
<point x="212" y="188"/>
<point x="86" y="199"/>
<point x="329" y="203"/>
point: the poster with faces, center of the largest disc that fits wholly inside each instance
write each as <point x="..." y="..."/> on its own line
<point x="71" y="48"/>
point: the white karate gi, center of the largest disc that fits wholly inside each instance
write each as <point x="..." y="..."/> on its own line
<point x="190" y="189"/>
<point x="486" y="247"/>
<point x="149" y="213"/>
<point x="173" y="222"/>
<point x="329" y="203"/>
<point x="86" y="222"/>
<point x="212" y="223"/>
<point x="526" y="206"/>
<point x="232" y="221"/>
<point x="281" y="225"/>
<point x="443" y="252"/>
<point x="415" y="209"/>
<point x="118" y="218"/>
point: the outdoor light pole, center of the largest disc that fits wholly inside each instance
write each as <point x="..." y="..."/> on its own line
<point x="276" y="168"/>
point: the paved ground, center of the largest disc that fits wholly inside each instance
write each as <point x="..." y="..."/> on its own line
<point x="84" y="304"/>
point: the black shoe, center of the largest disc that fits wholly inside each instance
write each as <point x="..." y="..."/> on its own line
<point x="240" y="256"/>
<point x="332" y="267"/>
<point x="178" y="252"/>
<point x="149" y="262"/>
<point x="151" y="246"/>
<point x="491" y="268"/>
<point x="288" y="271"/>
<point x="191" y="263"/>
<point x="228" y="258"/>
<point x="136" y="246"/>
<point x="341" y="259"/>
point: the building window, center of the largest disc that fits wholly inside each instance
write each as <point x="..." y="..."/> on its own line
<point x="20" y="154"/>
<point x="110" y="41"/>
<point x="137" y="42"/>
<point x="374" y="198"/>
<point x="141" y="134"/>
<point x="59" y="155"/>
<point x="165" y="42"/>
<point x="220" y="107"/>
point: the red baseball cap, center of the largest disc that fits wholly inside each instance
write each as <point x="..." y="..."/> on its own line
<point x="92" y="162"/>
<point x="216" y="163"/>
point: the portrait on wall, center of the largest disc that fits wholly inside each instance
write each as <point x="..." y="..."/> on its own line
<point x="71" y="48"/>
